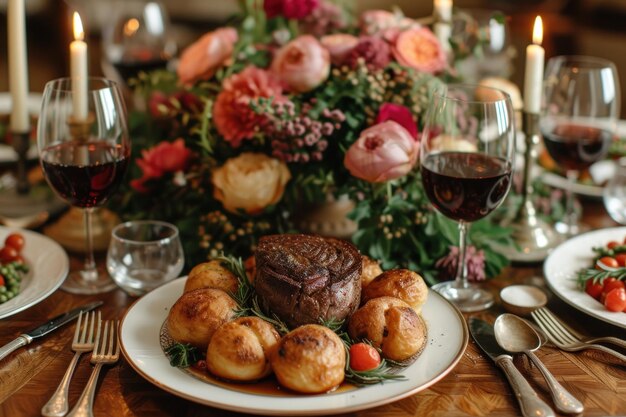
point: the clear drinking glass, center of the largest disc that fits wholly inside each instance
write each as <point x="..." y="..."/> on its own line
<point x="84" y="149"/>
<point x="580" y="111"/>
<point x="466" y="158"/>
<point x="144" y="254"/>
<point x="137" y="39"/>
<point x="614" y="193"/>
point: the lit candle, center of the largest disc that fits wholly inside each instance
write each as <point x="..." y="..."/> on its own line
<point x="443" y="10"/>
<point x="533" y="77"/>
<point x="18" y="70"/>
<point x="78" y="70"/>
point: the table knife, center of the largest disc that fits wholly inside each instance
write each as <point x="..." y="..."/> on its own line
<point x="529" y="401"/>
<point x="44" y="329"/>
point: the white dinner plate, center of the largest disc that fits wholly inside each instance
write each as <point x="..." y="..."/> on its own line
<point x="139" y="339"/>
<point x="569" y="257"/>
<point x="33" y="103"/>
<point x="48" y="266"/>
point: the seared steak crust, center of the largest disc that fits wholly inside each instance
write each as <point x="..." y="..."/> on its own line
<point x="305" y="278"/>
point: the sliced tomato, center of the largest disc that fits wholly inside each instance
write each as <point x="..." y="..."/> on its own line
<point x="612" y="284"/>
<point x="609" y="261"/>
<point x="593" y="289"/>
<point x="615" y="299"/>
<point x="15" y="240"/>
<point x="363" y="357"/>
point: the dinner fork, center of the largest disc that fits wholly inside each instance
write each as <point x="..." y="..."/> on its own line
<point x="572" y="336"/>
<point x="82" y="342"/>
<point x="557" y="334"/>
<point x="106" y="351"/>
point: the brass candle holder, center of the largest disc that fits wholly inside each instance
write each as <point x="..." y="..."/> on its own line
<point x="533" y="237"/>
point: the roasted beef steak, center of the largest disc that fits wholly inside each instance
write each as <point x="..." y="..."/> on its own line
<point x="305" y="278"/>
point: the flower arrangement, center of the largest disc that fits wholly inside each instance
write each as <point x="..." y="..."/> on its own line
<point x="302" y="101"/>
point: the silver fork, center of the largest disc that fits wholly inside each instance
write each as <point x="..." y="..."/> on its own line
<point x="83" y="342"/>
<point x="106" y="351"/>
<point x="561" y="338"/>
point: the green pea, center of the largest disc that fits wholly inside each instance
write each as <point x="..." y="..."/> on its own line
<point x="3" y="289"/>
<point x="9" y="294"/>
<point x="3" y="298"/>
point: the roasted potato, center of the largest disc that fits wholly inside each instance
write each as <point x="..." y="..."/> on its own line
<point x="197" y="314"/>
<point x="310" y="359"/>
<point x="371" y="269"/>
<point x="391" y="325"/>
<point x="212" y="275"/>
<point x="240" y="349"/>
<point x="399" y="283"/>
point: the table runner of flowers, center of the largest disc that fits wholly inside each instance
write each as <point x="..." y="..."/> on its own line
<point x="301" y="102"/>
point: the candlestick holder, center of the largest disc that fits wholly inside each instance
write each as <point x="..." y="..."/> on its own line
<point x="24" y="202"/>
<point x="533" y="237"/>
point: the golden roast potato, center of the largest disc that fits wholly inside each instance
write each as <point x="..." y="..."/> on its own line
<point x="211" y="274"/>
<point x="391" y="325"/>
<point x="399" y="283"/>
<point x="371" y="269"/>
<point x="240" y="349"/>
<point x="310" y="359"/>
<point x="197" y="314"/>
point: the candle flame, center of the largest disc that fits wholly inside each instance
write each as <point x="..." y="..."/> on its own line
<point x="79" y="34"/>
<point x="538" y="31"/>
<point x="131" y="27"/>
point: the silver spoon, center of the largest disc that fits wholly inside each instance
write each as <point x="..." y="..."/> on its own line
<point x="515" y="335"/>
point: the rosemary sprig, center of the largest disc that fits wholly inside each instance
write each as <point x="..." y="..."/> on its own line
<point x="374" y="376"/>
<point x="338" y="327"/>
<point x="604" y="251"/>
<point x="183" y="355"/>
<point x="245" y="290"/>
<point x="280" y="325"/>
<point x="598" y="275"/>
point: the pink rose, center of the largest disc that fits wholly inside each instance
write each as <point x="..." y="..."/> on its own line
<point x="371" y="50"/>
<point x="201" y="59"/>
<point x="383" y="152"/>
<point x="339" y="46"/>
<point x="399" y="114"/>
<point x="419" y="48"/>
<point x="302" y="64"/>
<point x="373" y="22"/>
<point x="233" y="117"/>
<point x="291" y="9"/>
<point x="161" y="159"/>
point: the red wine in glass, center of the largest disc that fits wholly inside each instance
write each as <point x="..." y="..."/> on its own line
<point x="130" y="68"/>
<point x="577" y="147"/>
<point x="465" y="186"/>
<point x="85" y="174"/>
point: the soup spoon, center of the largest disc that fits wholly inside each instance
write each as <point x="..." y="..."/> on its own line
<point x="517" y="336"/>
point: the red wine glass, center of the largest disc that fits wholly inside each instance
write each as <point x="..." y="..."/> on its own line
<point x="580" y="111"/>
<point x="466" y="159"/>
<point x="84" y="150"/>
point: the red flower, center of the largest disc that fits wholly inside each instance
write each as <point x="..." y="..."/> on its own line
<point x="399" y="114"/>
<point x="374" y="51"/>
<point x="291" y="9"/>
<point x="163" y="158"/>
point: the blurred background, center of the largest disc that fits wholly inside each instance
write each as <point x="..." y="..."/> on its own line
<point x="585" y="27"/>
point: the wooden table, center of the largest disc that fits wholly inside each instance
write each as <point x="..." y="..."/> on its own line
<point x="29" y="376"/>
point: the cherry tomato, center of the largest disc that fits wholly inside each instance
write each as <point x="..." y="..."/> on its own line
<point x="615" y="299"/>
<point x="592" y="289"/>
<point x="15" y="240"/>
<point x="612" y="244"/>
<point x="612" y="283"/>
<point x="8" y="254"/>
<point x="621" y="259"/>
<point x="609" y="261"/>
<point x="2" y="282"/>
<point x="363" y="357"/>
<point x="200" y="365"/>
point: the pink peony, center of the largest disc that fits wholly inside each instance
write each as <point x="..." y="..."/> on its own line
<point x="202" y="58"/>
<point x="161" y="159"/>
<point x="374" y="51"/>
<point x="419" y="48"/>
<point x="474" y="259"/>
<point x="399" y="114"/>
<point x="302" y="64"/>
<point x="373" y="22"/>
<point x="232" y="115"/>
<point x="339" y="46"/>
<point x="383" y="152"/>
<point x="291" y="9"/>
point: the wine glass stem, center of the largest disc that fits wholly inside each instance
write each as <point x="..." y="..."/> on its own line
<point x="460" y="281"/>
<point x="90" y="263"/>
<point x="570" y="214"/>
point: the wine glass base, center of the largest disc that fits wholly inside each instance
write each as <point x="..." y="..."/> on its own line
<point x="467" y="300"/>
<point x="88" y="282"/>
